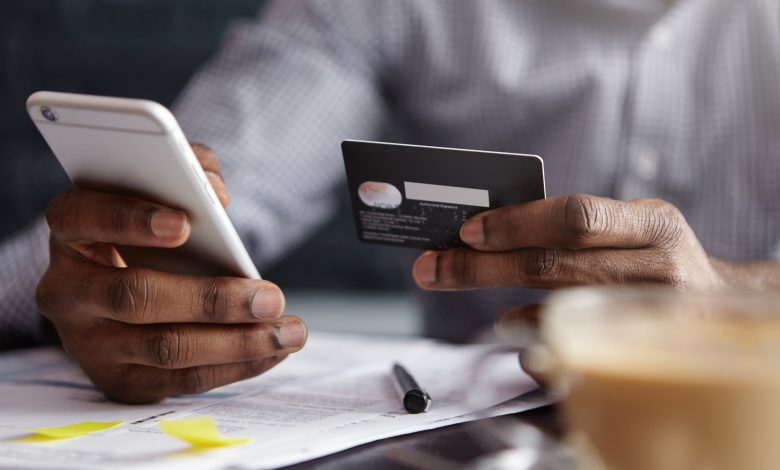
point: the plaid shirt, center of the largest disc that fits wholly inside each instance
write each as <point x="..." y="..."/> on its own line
<point x="677" y="99"/>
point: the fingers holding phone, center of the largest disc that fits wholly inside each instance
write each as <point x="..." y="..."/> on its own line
<point x="149" y="285"/>
<point x="142" y="334"/>
<point x="210" y="163"/>
<point x="136" y="149"/>
<point x="89" y="223"/>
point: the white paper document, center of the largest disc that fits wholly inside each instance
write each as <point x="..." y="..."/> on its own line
<point x="335" y="394"/>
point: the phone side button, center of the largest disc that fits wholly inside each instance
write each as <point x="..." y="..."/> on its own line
<point x="210" y="192"/>
<point x="184" y="146"/>
<point x="197" y="172"/>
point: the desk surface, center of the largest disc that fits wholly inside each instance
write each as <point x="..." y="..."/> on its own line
<point x="452" y="443"/>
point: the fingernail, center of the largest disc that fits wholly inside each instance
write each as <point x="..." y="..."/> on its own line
<point x="292" y="334"/>
<point x="168" y="223"/>
<point x="425" y="268"/>
<point x="224" y="198"/>
<point x="267" y="304"/>
<point x="473" y="232"/>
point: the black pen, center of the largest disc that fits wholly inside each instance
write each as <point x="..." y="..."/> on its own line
<point x="415" y="399"/>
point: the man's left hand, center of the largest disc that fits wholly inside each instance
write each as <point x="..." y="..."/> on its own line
<point x="569" y="241"/>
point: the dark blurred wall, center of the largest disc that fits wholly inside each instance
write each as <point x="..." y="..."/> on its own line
<point x="146" y="49"/>
<point x="135" y="48"/>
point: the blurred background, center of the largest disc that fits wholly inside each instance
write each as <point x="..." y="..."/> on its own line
<point x="149" y="49"/>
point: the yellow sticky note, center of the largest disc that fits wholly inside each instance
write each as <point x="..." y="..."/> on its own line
<point x="73" y="430"/>
<point x="200" y="433"/>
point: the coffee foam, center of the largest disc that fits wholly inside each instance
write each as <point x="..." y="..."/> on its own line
<point x="711" y="350"/>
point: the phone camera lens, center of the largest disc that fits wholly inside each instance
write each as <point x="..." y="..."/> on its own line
<point x="48" y="114"/>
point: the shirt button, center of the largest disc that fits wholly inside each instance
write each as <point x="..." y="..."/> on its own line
<point x="645" y="163"/>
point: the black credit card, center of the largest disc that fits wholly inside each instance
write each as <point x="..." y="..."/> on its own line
<point x="418" y="197"/>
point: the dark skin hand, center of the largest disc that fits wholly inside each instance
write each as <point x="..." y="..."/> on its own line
<point x="569" y="241"/>
<point x="143" y="335"/>
<point x="579" y="240"/>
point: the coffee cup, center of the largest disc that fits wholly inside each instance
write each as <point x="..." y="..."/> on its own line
<point x="657" y="379"/>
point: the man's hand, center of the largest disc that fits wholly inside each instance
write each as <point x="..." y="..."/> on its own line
<point x="569" y="241"/>
<point x="142" y="335"/>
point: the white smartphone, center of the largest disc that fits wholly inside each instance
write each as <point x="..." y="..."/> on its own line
<point x="135" y="147"/>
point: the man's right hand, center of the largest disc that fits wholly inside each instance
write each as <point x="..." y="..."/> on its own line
<point x="142" y="335"/>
